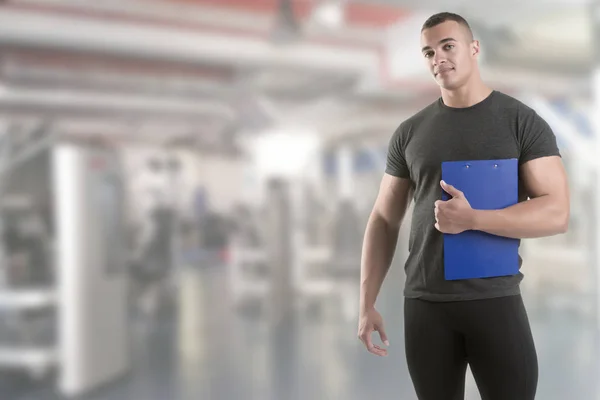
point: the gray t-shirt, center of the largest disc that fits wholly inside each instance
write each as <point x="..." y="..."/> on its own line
<point x="499" y="127"/>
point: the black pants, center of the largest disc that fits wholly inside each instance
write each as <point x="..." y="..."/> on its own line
<point x="492" y="336"/>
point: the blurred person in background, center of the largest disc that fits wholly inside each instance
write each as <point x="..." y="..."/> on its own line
<point x="479" y="322"/>
<point x="153" y="253"/>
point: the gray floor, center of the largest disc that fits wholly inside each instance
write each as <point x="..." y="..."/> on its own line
<point x="206" y="351"/>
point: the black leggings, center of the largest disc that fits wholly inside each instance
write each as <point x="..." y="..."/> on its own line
<point x="492" y="336"/>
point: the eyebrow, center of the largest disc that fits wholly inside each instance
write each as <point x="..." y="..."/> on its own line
<point x="440" y="42"/>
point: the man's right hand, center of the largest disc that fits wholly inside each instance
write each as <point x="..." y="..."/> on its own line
<point x="369" y="321"/>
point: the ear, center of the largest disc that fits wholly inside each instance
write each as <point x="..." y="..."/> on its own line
<point x="475" y="49"/>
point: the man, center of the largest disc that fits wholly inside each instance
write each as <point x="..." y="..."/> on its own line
<point x="480" y="322"/>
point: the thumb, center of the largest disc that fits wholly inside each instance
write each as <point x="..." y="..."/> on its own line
<point x="383" y="335"/>
<point x="451" y="190"/>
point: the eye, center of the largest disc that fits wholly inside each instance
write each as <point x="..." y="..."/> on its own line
<point x="448" y="47"/>
<point x="428" y="54"/>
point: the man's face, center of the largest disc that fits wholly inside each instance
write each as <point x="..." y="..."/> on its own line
<point x="450" y="53"/>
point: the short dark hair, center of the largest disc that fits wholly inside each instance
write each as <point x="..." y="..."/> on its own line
<point x="439" y="18"/>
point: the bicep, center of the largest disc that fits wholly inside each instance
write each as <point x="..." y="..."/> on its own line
<point x="393" y="198"/>
<point x="545" y="176"/>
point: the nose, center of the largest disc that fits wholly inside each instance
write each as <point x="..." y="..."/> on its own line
<point x="437" y="60"/>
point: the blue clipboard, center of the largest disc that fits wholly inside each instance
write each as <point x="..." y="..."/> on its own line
<point x="487" y="185"/>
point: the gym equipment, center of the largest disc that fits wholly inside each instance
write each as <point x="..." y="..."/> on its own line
<point x="93" y="301"/>
<point x="314" y="270"/>
<point x="82" y="314"/>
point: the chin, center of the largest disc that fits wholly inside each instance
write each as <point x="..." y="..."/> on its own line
<point x="448" y="84"/>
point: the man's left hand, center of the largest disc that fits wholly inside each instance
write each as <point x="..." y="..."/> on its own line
<point x="454" y="215"/>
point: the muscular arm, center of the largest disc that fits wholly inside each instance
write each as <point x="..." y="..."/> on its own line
<point x="545" y="214"/>
<point x="381" y="236"/>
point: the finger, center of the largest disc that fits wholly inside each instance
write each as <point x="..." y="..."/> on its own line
<point x="438" y="203"/>
<point x="451" y="190"/>
<point x="437" y="226"/>
<point x="379" y="351"/>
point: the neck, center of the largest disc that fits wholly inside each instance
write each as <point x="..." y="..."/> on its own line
<point x="466" y="95"/>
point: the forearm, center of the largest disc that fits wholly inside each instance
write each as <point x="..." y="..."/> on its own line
<point x="539" y="217"/>
<point x="379" y="247"/>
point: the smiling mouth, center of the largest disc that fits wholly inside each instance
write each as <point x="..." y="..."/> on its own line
<point x="444" y="71"/>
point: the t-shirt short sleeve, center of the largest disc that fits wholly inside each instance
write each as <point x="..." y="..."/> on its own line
<point x="536" y="137"/>
<point x="396" y="162"/>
